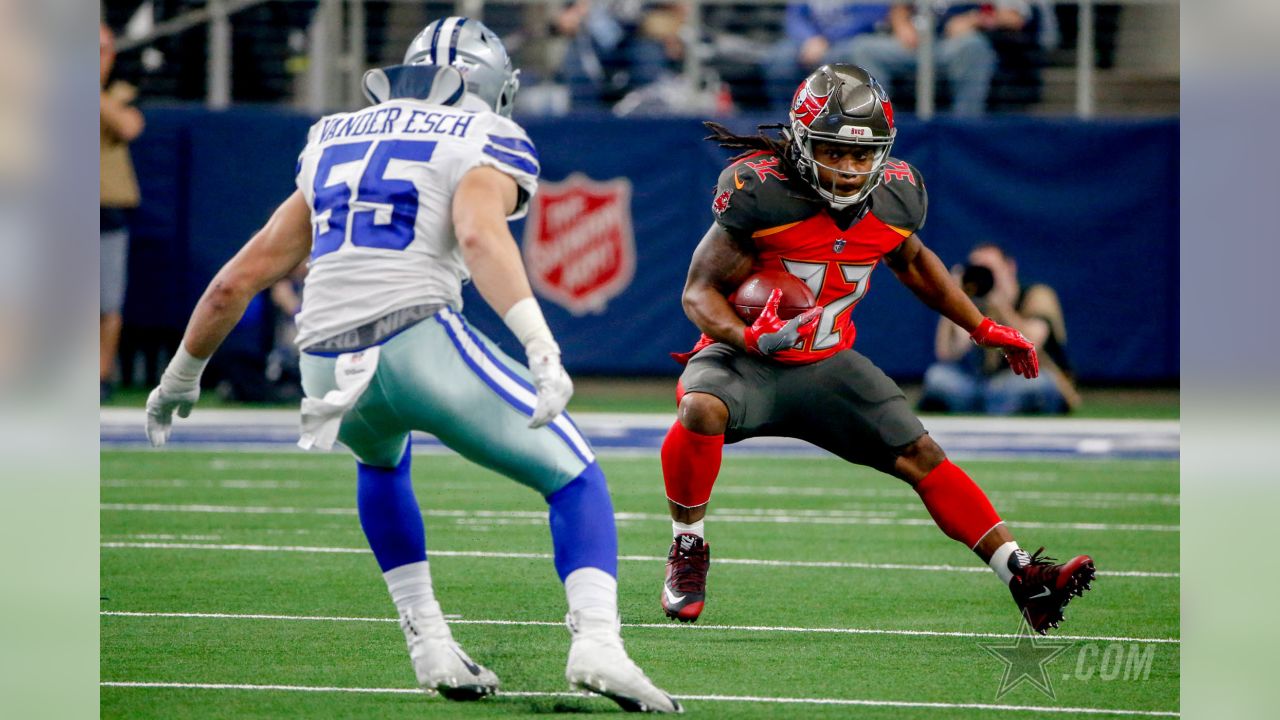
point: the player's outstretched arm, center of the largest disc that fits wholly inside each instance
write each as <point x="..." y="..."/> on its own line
<point x="481" y="204"/>
<point x="274" y="251"/>
<point x="283" y="243"/>
<point x="720" y="263"/>
<point x="918" y="268"/>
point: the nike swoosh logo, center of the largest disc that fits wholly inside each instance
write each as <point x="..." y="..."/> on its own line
<point x="474" y="668"/>
<point x="671" y="598"/>
<point x="1045" y="593"/>
<point x="738" y="182"/>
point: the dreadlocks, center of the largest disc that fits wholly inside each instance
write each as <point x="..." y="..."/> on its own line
<point x="779" y="145"/>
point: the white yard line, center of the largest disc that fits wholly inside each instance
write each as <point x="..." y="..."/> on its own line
<point x="702" y="698"/>
<point x="656" y="626"/>
<point x="631" y="558"/>
<point x="725" y="515"/>
<point x="881" y="498"/>
<point x="207" y="483"/>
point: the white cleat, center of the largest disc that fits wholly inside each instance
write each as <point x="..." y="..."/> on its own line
<point x="599" y="664"/>
<point x="439" y="662"/>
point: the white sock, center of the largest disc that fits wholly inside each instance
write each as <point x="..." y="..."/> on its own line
<point x="592" y="589"/>
<point x="679" y="528"/>
<point x="410" y="585"/>
<point x="1000" y="561"/>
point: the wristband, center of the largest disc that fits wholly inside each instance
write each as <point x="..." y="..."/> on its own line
<point x="183" y="372"/>
<point x="184" y="366"/>
<point x="525" y="321"/>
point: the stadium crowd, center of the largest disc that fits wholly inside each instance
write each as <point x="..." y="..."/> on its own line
<point x="593" y="54"/>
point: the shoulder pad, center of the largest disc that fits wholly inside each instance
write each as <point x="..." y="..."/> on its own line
<point x="901" y="200"/>
<point x="507" y="142"/>
<point x="754" y="194"/>
<point x="495" y="123"/>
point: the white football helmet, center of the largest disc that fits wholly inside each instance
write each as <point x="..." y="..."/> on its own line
<point x="476" y="51"/>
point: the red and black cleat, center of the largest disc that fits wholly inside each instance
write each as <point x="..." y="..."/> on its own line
<point x="1042" y="587"/>
<point x="684" y="591"/>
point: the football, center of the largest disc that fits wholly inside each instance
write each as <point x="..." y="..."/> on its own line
<point x="749" y="299"/>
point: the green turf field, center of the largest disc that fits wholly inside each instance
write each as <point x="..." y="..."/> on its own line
<point x="275" y="534"/>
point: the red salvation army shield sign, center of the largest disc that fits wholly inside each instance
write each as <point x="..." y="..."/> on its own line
<point x="578" y="242"/>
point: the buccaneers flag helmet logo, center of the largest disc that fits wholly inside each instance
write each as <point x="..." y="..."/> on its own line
<point x="806" y="106"/>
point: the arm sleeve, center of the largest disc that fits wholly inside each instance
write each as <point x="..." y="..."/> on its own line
<point x="500" y="143"/>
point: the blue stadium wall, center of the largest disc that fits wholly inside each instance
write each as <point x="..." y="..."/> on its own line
<point x="1089" y="207"/>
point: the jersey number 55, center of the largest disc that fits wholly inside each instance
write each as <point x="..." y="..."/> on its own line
<point x="384" y="209"/>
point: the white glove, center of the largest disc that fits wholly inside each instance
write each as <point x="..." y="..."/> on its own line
<point x="551" y="381"/>
<point x="179" y="390"/>
<point x="160" y="406"/>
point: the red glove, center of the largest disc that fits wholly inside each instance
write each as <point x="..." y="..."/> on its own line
<point x="770" y="333"/>
<point x="1018" y="350"/>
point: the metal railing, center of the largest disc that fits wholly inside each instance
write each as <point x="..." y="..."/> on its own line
<point x="336" y="46"/>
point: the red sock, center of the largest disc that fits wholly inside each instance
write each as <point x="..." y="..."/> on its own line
<point x="690" y="464"/>
<point x="957" y="505"/>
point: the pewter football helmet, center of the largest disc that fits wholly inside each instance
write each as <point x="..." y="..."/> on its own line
<point x="841" y="104"/>
<point x="476" y="51"/>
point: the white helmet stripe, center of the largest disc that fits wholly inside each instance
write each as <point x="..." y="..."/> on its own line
<point x="444" y="42"/>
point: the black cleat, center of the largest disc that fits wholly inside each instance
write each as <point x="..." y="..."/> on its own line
<point x="684" y="591"/>
<point x="1042" y="587"/>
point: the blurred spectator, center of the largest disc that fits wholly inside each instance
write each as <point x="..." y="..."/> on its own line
<point x="120" y="123"/>
<point x="283" y="370"/>
<point x="817" y="32"/>
<point x="258" y="362"/>
<point x="616" y="46"/>
<point x="963" y="52"/>
<point x="969" y="379"/>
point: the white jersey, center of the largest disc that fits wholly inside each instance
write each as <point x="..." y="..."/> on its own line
<point x="380" y="183"/>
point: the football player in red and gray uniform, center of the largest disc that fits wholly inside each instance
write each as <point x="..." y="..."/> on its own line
<point x="825" y="201"/>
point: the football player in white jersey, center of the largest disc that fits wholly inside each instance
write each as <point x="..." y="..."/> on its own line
<point x="397" y="205"/>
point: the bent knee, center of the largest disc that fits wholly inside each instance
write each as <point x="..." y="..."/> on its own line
<point x="704" y="414"/>
<point x="919" y="459"/>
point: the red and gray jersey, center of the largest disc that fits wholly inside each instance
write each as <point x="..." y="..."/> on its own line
<point x="834" y="252"/>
